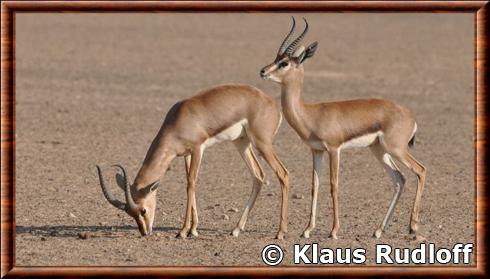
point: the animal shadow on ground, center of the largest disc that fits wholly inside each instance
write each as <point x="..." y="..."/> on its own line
<point x="94" y="231"/>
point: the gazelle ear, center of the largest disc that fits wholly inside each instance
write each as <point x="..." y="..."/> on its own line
<point x="154" y="185"/>
<point x="151" y="188"/>
<point x="120" y="181"/>
<point x="308" y="53"/>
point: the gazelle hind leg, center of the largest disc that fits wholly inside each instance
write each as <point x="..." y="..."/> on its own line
<point x="410" y="162"/>
<point x="270" y="157"/>
<point x="334" y="155"/>
<point x="398" y="181"/>
<point x="317" y="170"/>
<point x="244" y="147"/>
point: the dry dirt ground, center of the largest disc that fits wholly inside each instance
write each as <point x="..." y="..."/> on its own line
<point x="94" y="89"/>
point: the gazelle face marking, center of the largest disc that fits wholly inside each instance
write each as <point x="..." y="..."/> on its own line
<point x="277" y="70"/>
<point x="289" y="57"/>
<point x="144" y="214"/>
<point x="142" y="210"/>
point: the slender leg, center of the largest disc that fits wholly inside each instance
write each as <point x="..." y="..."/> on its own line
<point x="244" y="147"/>
<point x="191" y="189"/>
<point x="195" y="219"/>
<point x="415" y="166"/>
<point x="334" y="155"/>
<point x="270" y="157"/>
<point x="398" y="181"/>
<point x="317" y="171"/>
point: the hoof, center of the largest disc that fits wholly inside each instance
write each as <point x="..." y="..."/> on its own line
<point x="306" y="234"/>
<point x="194" y="233"/>
<point x="413" y="230"/>
<point x="235" y="232"/>
<point x="377" y="233"/>
<point x="182" y="235"/>
<point x="333" y="235"/>
<point x="280" y="235"/>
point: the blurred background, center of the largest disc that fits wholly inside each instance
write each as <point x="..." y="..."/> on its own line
<point x="95" y="88"/>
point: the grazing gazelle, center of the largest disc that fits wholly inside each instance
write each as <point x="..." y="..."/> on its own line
<point x="384" y="126"/>
<point x="239" y="113"/>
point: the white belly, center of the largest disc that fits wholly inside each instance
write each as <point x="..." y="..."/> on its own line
<point x="362" y="141"/>
<point x="229" y="134"/>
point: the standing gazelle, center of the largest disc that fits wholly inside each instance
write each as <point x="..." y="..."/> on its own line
<point x="384" y="126"/>
<point x="239" y="113"/>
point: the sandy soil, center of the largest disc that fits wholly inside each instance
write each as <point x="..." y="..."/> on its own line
<point x="94" y="88"/>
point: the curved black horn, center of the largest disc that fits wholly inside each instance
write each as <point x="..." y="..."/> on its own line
<point x="294" y="44"/>
<point x="107" y="194"/>
<point x="283" y="46"/>
<point x="127" y="190"/>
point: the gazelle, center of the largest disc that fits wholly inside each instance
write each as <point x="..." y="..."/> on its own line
<point x="239" y="113"/>
<point x="383" y="126"/>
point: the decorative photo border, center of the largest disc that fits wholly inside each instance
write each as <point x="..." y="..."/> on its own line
<point x="9" y="9"/>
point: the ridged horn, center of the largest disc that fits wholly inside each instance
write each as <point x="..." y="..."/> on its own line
<point x="127" y="190"/>
<point x="295" y="43"/>
<point x="284" y="44"/>
<point x="107" y="194"/>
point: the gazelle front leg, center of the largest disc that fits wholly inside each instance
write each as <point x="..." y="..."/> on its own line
<point x="334" y="155"/>
<point x="195" y="219"/>
<point x="317" y="170"/>
<point x="196" y="156"/>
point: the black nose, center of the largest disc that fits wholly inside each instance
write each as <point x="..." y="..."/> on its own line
<point x="262" y="72"/>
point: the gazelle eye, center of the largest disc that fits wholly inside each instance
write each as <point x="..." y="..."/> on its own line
<point x="283" y="64"/>
<point x="143" y="212"/>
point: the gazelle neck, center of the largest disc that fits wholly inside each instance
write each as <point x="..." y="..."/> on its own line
<point x="292" y="103"/>
<point x="155" y="165"/>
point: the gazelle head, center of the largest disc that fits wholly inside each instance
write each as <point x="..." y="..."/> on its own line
<point x="290" y="57"/>
<point x="142" y="209"/>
